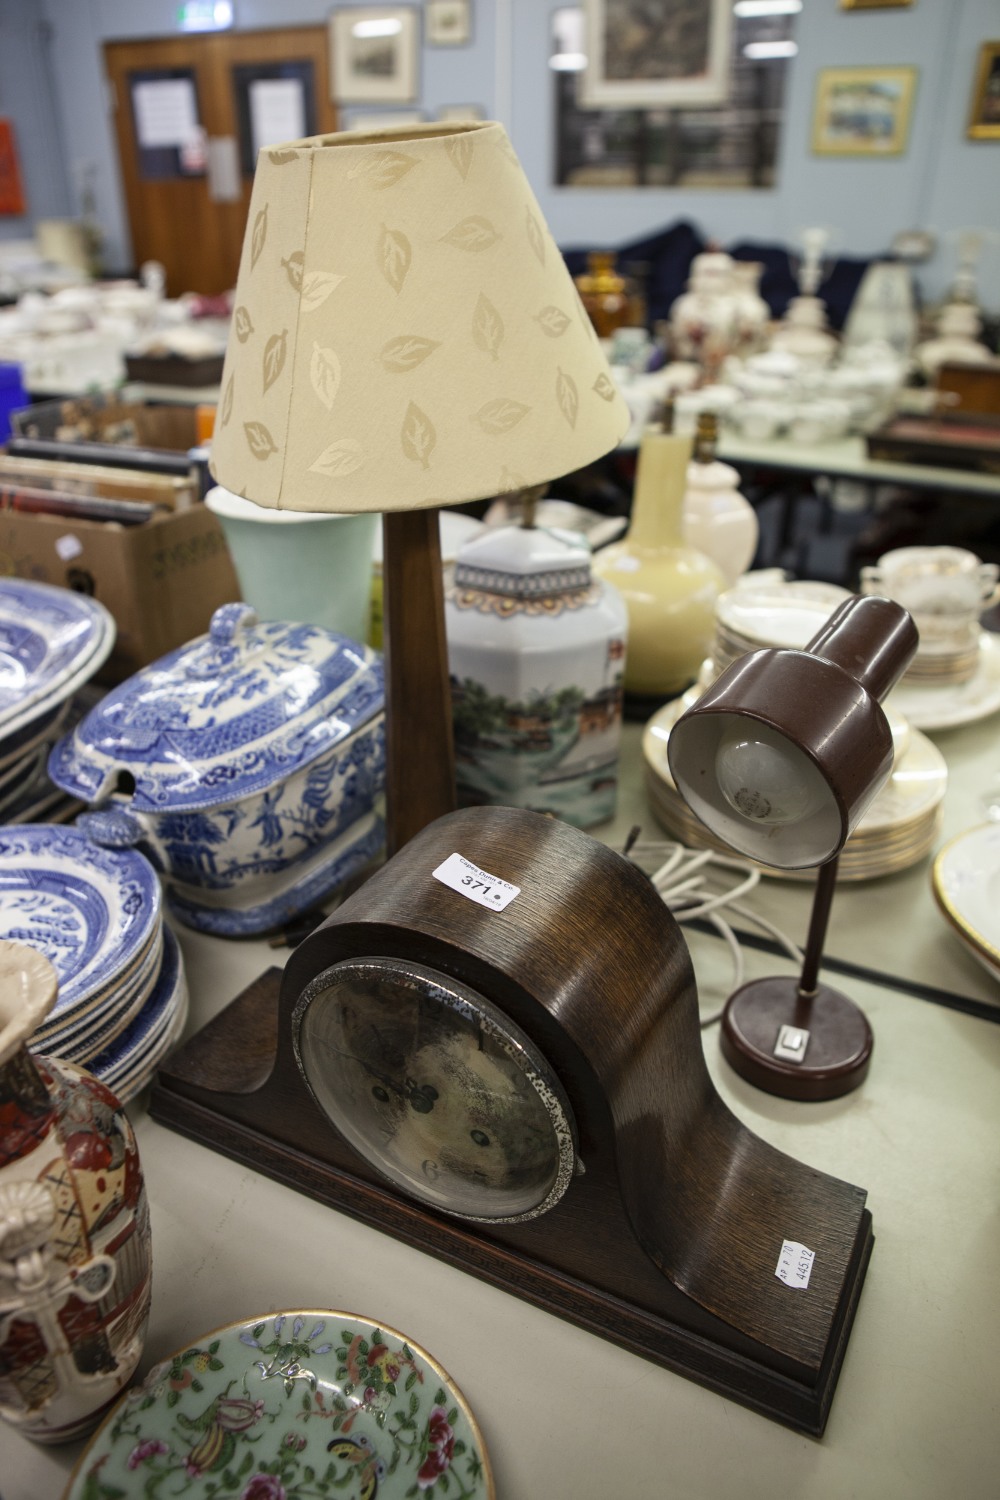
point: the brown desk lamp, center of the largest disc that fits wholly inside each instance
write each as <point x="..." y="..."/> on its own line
<point x="406" y="336"/>
<point x="781" y="757"/>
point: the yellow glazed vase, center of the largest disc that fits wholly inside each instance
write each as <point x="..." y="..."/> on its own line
<point x="669" y="588"/>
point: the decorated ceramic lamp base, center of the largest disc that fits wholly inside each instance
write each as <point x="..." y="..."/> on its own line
<point x="807" y="1047"/>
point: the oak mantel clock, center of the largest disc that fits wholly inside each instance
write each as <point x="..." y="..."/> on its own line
<point x="516" y="1084"/>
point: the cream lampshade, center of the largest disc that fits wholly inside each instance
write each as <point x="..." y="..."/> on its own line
<point x="406" y="336"/>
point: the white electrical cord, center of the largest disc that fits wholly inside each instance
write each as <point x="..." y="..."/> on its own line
<point x="683" y="878"/>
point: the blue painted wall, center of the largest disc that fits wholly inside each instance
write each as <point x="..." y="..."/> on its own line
<point x="51" y="85"/>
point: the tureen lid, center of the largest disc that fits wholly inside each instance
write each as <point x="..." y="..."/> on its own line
<point x="223" y="717"/>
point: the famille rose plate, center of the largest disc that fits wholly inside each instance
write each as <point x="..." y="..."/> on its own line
<point x="287" y="1405"/>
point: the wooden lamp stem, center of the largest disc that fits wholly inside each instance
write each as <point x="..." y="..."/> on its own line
<point x="420" y="752"/>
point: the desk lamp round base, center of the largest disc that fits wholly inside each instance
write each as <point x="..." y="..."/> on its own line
<point x="798" y="1047"/>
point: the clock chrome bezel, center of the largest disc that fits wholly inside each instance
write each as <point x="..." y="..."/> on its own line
<point x="471" y="1005"/>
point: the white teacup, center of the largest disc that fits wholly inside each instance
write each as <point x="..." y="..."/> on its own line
<point x="945" y="589"/>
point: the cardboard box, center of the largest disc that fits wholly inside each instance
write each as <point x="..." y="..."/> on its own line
<point x="106" y="419"/>
<point x="161" y="580"/>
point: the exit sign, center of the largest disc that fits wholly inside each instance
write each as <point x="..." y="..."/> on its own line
<point x="205" y="15"/>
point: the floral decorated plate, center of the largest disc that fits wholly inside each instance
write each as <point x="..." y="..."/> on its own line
<point x="298" y="1404"/>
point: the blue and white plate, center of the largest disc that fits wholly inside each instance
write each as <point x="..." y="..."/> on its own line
<point x="51" y="640"/>
<point x="127" y="1064"/>
<point x="78" y="1034"/>
<point x="91" y="911"/>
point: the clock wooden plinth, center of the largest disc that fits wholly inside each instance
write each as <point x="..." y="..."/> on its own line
<point x="667" y="1238"/>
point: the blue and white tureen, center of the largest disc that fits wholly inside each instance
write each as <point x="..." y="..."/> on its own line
<point x="246" y="765"/>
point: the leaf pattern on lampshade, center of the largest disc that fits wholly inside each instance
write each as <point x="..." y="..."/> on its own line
<point x="567" y="396"/>
<point x="275" y="354"/>
<point x="242" y="324"/>
<point x="500" y="415"/>
<point x="405" y="353"/>
<point x="293" y="269"/>
<point x="418" y="436"/>
<point x="459" y="149"/>
<point x="536" y="239"/>
<point x="487" y="327"/>
<point x="259" y="237"/>
<point x="475" y="233"/>
<point x="226" y="410"/>
<point x="384" y="170"/>
<point x="324" y="374"/>
<point x="343" y="457"/>
<point x="553" y="321"/>
<point x="316" y="287"/>
<point x="282" y="158"/>
<point x="259" y="440"/>
<point x="509" y="482"/>
<point x="395" y="254"/>
<point x="605" y="388"/>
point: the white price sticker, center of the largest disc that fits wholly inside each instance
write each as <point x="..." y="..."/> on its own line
<point x="469" y="880"/>
<point x="68" y="547"/>
<point x="795" y="1264"/>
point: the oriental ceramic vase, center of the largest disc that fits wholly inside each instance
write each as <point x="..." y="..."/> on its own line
<point x="74" y="1225"/>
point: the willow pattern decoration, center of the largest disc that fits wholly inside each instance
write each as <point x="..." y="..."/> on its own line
<point x="666" y="56"/>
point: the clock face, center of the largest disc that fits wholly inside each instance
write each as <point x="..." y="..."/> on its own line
<point x="436" y="1088"/>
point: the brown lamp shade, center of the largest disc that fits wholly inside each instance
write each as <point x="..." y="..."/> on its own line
<point x="784" y="753"/>
<point x="405" y="332"/>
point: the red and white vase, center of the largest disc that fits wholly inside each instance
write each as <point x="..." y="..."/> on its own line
<point x="75" y="1266"/>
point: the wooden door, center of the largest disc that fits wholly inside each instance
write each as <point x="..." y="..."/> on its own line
<point x="190" y="111"/>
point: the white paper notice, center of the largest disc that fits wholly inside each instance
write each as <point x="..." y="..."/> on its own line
<point x="469" y="880"/>
<point x="166" y="111"/>
<point x="277" y="111"/>
<point x="795" y="1264"/>
<point x="68" y="547"/>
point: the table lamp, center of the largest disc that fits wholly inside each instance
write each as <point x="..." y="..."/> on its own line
<point x="406" y="336"/>
<point x="781" y="757"/>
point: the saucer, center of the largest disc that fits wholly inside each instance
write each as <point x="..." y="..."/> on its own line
<point x="950" y="705"/>
<point x="283" y="1402"/>
<point x="965" y="880"/>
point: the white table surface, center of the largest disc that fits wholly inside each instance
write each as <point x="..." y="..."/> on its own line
<point x="568" y="1416"/>
<point x="847" y="458"/>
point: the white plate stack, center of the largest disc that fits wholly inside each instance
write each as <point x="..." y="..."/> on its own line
<point x="52" y="641"/>
<point x="97" y="915"/>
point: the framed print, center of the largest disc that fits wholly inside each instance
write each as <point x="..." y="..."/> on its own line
<point x="984" y="121"/>
<point x="371" y="119"/>
<point x="642" y="56"/>
<point x="863" y="111"/>
<point x="461" y="112"/>
<point x="374" y="55"/>
<point x="447" y="23"/>
<point x="874" y="4"/>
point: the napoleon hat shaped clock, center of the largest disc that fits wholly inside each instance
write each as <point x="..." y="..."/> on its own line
<point x="517" y="1085"/>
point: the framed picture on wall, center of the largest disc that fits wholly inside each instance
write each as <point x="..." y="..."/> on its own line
<point x="874" y="4"/>
<point x="642" y="56"/>
<point x="373" y="55"/>
<point x="447" y="23"/>
<point x="984" y="120"/>
<point x="863" y="111"/>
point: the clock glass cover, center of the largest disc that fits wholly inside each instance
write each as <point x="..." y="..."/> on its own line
<point x="434" y="1086"/>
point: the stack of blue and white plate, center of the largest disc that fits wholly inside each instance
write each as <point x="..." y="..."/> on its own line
<point x="52" y="641"/>
<point x="97" y="915"/>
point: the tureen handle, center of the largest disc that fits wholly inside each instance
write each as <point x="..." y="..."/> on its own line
<point x="229" y="622"/>
<point x="111" y="828"/>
